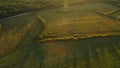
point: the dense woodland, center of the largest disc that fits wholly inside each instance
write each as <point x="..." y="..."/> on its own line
<point x="12" y="7"/>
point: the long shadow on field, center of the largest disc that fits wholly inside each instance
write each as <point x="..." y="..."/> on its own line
<point x="104" y="51"/>
<point x="97" y="52"/>
<point x="33" y="53"/>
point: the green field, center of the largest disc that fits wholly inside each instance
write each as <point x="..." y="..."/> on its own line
<point x="79" y="34"/>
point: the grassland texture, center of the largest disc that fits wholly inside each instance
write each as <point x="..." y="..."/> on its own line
<point x="20" y="46"/>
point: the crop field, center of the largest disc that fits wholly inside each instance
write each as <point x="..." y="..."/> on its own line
<point x="78" y="34"/>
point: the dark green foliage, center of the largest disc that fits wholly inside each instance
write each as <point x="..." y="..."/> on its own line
<point x="8" y="7"/>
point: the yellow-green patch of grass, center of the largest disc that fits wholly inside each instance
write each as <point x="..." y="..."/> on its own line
<point x="79" y="37"/>
<point x="108" y="12"/>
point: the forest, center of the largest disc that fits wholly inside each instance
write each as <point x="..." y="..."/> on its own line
<point x="13" y="7"/>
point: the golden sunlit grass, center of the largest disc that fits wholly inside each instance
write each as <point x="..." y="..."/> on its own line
<point x="43" y="21"/>
<point x="78" y="37"/>
<point x="80" y="27"/>
<point x="107" y="13"/>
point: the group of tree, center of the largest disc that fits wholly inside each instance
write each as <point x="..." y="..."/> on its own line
<point x="12" y="7"/>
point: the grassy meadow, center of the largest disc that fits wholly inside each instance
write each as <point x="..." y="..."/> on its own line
<point x="78" y="34"/>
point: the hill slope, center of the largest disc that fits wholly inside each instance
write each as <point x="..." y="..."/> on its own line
<point x="25" y="43"/>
